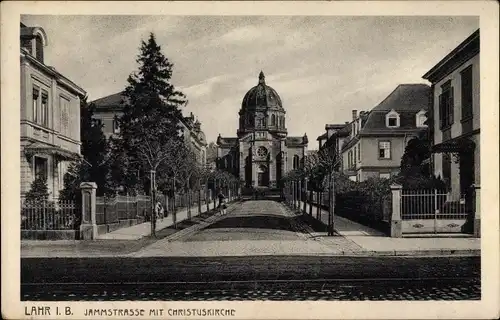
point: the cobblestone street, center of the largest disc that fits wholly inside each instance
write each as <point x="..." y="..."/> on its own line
<point x="250" y="228"/>
<point x="460" y="289"/>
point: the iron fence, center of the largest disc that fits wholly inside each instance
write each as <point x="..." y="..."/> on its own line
<point x="433" y="204"/>
<point x="49" y="215"/>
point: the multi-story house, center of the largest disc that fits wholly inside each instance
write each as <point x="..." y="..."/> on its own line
<point x="108" y="108"/>
<point x="456" y="124"/>
<point x="378" y="138"/>
<point x="333" y="139"/>
<point x="50" y="116"/>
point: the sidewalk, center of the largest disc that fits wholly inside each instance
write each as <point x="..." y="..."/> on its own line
<point x="374" y="242"/>
<point x="144" y="229"/>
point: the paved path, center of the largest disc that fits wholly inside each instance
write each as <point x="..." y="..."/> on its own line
<point x="371" y="240"/>
<point x="144" y="229"/>
<point x="252" y="228"/>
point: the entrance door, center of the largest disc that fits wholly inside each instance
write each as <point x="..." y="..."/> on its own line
<point x="262" y="176"/>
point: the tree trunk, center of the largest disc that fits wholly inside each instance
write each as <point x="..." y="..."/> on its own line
<point x="207" y="198"/>
<point x="318" y="204"/>
<point x="311" y="202"/>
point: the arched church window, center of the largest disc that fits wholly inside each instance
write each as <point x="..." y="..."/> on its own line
<point x="283" y="121"/>
<point x="273" y="120"/>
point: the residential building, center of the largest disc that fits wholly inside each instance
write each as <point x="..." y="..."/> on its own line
<point x="109" y="108"/>
<point x="262" y="153"/>
<point x="456" y="122"/>
<point x="50" y="115"/>
<point x="378" y="138"/>
<point x="333" y="138"/>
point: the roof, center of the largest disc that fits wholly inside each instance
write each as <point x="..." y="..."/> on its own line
<point x="227" y="141"/>
<point x="295" y="141"/>
<point x="323" y="136"/>
<point x="463" y="52"/>
<point x="113" y="100"/>
<point x="406" y="97"/>
<point x="407" y="100"/>
<point x="261" y="96"/>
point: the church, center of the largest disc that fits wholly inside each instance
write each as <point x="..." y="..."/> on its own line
<point x="262" y="152"/>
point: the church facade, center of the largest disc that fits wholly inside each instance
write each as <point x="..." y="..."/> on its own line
<point x="262" y="152"/>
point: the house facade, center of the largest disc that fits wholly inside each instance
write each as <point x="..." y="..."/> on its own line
<point x="262" y="152"/>
<point x="456" y="117"/>
<point x="50" y="116"/>
<point x="109" y="108"/>
<point x="378" y="138"/>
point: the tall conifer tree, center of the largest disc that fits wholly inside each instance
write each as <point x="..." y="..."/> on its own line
<point x="150" y="123"/>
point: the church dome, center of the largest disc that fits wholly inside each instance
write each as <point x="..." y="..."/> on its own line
<point x="261" y="96"/>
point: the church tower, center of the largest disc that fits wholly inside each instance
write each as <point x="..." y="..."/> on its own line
<point x="262" y="152"/>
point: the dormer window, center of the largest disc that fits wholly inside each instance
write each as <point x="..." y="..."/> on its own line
<point x="421" y="118"/>
<point x="392" y="119"/>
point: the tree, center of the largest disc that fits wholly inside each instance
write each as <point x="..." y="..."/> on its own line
<point x="150" y="123"/>
<point x="416" y="151"/>
<point x="94" y="166"/>
<point x="39" y="191"/>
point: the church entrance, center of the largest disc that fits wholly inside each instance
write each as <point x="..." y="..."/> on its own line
<point x="262" y="176"/>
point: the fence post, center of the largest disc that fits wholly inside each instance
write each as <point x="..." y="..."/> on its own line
<point x="88" y="227"/>
<point x="477" y="210"/>
<point x="396" y="227"/>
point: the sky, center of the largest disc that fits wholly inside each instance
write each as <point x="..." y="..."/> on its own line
<point x="323" y="67"/>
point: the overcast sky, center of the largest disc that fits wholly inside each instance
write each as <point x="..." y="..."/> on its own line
<point x="322" y="67"/>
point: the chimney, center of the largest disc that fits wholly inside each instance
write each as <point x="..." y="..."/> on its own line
<point x="354" y="114"/>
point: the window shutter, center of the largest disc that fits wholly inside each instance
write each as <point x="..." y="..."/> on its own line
<point x="441" y="111"/>
<point x="450" y="107"/>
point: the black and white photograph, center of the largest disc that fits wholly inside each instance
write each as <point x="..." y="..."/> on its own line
<point x="218" y="158"/>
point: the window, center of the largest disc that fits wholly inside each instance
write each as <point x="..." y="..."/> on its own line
<point x="466" y="80"/>
<point x="64" y="109"/>
<point x="296" y="162"/>
<point x="45" y="109"/>
<point x="384" y="175"/>
<point x="116" y="126"/>
<point x="421" y="118"/>
<point x="355" y="155"/>
<point x="41" y="167"/>
<point x="384" y="150"/>
<point x="359" y="152"/>
<point x="392" y="119"/>
<point x="353" y="178"/>
<point x="39" y="48"/>
<point x="446" y="106"/>
<point x="35" y="95"/>
<point x="273" y="120"/>
<point x="393" y="122"/>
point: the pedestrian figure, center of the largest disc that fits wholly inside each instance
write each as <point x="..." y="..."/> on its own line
<point x="159" y="210"/>
<point x="222" y="205"/>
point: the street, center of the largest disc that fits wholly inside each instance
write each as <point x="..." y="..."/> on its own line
<point x="260" y="277"/>
<point x="235" y="257"/>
